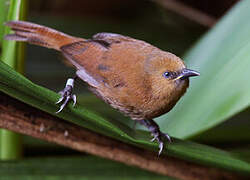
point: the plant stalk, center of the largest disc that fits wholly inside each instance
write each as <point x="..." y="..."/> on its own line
<point x="13" y="54"/>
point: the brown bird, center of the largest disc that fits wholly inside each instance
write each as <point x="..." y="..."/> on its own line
<point x="131" y="75"/>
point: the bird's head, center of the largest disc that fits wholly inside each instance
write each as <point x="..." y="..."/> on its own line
<point x="169" y="76"/>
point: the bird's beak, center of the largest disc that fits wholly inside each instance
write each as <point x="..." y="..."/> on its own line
<point x="186" y="73"/>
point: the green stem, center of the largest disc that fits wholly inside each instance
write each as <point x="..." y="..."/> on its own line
<point x="13" y="55"/>
<point x="11" y="146"/>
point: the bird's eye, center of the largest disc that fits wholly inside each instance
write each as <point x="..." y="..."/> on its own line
<point x="166" y="74"/>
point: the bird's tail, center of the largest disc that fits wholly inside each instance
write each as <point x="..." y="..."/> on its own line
<point x="39" y="35"/>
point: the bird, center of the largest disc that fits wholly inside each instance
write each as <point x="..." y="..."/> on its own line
<point x="133" y="76"/>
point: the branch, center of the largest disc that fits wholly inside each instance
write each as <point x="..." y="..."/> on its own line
<point x="22" y="118"/>
<point x="188" y="12"/>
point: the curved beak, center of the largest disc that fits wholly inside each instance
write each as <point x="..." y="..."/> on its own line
<point x="186" y="73"/>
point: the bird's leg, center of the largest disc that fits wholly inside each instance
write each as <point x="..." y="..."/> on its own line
<point x="66" y="94"/>
<point x="156" y="133"/>
<point x="134" y="125"/>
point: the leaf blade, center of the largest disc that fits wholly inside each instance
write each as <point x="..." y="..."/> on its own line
<point x="222" y="58"/>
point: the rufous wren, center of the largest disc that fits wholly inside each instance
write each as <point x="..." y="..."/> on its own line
<point x="131" y="75"/>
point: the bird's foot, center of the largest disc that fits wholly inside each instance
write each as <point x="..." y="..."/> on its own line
<point x="66" y="95"/>
<point x="158" y="136"/>
<point x="161" y="138"/>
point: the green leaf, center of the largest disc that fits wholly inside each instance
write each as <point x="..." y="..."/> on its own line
<point x="229" y="134"/>
<point x="78" y="167"/>
<point x="234" y="130"/>
<point x="223" y="89"/>
<point x="16" y="85"/>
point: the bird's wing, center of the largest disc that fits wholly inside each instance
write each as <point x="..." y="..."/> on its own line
<point x="83" y="55"/>
<point x="107" y="59"/>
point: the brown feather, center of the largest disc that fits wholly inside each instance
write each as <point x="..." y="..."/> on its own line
<point x="124" y="72"/>
<point x="38" y="35"/>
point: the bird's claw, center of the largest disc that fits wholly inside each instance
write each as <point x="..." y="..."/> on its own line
<point x="160" y="138"/>
<point x="66" y="95"/>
